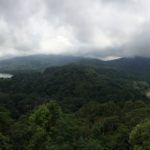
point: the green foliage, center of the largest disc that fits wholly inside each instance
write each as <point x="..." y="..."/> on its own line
<point x="4" y="142"/>
<point x="97" y="126"/>
<point x="94" y="109"/>
<point x="140" y="136"/>
<point x="46" y="115"/>
<point x="5" y="120"/>
<point x="71" y="85"/>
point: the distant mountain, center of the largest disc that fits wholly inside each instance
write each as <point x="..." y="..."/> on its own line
<point x="138" y="67"/>
<point x="36" y="62"/>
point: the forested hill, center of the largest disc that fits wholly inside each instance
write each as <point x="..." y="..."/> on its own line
<point x="77" y="84"/>
<point x="137" y="67"/>
<point x="85" y="105"/>
<point x="77" y="81"/>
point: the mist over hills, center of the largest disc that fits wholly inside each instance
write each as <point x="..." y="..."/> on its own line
<point x="138" y="67"/>
<point x="36" y="62"/>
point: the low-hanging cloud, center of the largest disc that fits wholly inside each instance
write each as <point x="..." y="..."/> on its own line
<point x="94" y="28"/>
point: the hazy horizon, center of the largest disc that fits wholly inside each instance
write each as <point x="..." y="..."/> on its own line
<point x="88" y="28"/>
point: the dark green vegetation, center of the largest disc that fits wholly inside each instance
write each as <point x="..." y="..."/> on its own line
<point x="86" y="105"/>
<point x="137" y="67"/>
<point x="36" y="62"/>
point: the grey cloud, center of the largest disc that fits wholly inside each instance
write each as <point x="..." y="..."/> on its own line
<point x="97" y="28"/>
<point x="139" y="44"/>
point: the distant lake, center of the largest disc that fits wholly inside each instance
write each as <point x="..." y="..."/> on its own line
<point x="5" y="75"/>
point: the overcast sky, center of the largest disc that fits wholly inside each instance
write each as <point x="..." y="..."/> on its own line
<point x="95" y="28"/>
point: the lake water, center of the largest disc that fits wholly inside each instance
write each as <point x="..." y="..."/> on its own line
<point x="5" y="75"/>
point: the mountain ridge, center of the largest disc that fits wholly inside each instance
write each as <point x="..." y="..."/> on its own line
<point x="138" y="67"/>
